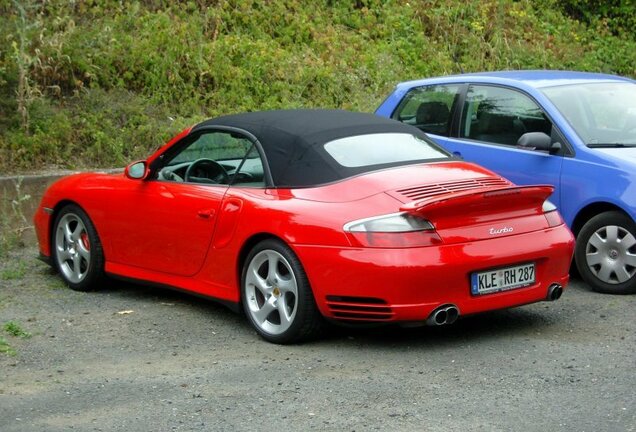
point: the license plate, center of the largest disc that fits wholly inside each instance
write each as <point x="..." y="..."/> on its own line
<point x="502" y="279"/>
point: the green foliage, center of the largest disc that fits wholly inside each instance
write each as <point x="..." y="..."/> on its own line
<point x="13" y="222"/>
<point x="15" y="330"/>
<point x="616" y="16"/>
<point x="110" y="81"/>
<point x="5" y="348"/>
<point x="13" y="272"/>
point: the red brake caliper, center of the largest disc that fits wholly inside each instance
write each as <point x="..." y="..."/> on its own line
<point x="85" y="241"/>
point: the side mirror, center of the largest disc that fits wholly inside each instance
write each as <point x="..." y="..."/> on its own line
<point x="535" y="140"/>
<point x="136" y="170"/>
<point x="539" y="141"/>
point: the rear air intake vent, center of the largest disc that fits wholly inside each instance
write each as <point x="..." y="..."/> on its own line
<point x="359" y="308"/>
<point x="420" y="192"/>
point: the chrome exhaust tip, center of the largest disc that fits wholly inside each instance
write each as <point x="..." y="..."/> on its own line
<point x="554" y="292"/>
<point x="443" y="315"/>
<point x="452" y="313"/>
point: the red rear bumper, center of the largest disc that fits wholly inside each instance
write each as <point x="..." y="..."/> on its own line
<point x="408" y="284"/>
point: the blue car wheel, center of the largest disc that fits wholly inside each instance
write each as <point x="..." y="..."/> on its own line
<point x="606" y="253"/>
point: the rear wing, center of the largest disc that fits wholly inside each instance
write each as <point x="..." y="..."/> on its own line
<point x="524" y="199"/>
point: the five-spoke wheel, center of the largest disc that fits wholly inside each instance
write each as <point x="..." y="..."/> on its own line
<point x="77" y="251"/>
<point x="276" y="295"/>
<point x="606" y="253"/>
<point x="271" y="292"/>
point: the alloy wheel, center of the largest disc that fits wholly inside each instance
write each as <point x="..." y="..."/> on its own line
<point x="73" y="249"/>
<point x="271" y="292"/>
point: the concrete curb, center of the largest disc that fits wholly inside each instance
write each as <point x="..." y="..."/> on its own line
<point x="53" y="174"/>
<point x="27" y="190"/>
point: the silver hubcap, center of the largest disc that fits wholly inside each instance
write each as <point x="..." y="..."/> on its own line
<point x="72" y="248"/>
<point x="611" y="254"/>
<point x="271" y="292"/>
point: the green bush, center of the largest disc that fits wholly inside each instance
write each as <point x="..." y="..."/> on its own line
<point x="617" y="16"/>
<point x="104" y="81"/>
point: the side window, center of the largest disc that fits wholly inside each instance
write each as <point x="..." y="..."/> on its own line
<point x="215" y="158"/>
<point x="429" y="108"/>
<point x="499" y="115"/>
<point x="250" y="172"/>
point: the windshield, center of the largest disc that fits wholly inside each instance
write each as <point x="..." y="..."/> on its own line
<point x="382" y="148"/>
<point x="603" y="114"/>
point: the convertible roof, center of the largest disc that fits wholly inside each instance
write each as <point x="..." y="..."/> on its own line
<point x="292" y="141"/>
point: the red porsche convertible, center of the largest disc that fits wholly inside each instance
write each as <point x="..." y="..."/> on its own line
<point x="304" y="215"/>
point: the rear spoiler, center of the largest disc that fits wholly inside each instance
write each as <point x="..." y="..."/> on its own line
<point x="506" y="197"/>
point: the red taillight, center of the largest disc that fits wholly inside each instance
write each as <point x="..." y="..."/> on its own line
<point x="554" y="218"/>
<point x="551" y="214"/>
<point x="397" y="230"/>
<point x="394" y="240"/>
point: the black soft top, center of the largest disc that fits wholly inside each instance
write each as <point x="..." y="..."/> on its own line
<point x="293" y="140"/>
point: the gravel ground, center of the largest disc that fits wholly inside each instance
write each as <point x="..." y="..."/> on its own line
<point x="142" y="359"/>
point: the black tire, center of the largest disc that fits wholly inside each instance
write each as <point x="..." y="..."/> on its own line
<point x="616" y="272"/>
<point x="306" y="322"/>
<point x="87" y="272"/>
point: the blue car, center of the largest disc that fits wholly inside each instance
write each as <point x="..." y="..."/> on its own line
<point x="573" y="130"/>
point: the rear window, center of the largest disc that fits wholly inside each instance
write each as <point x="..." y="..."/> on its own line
<point x="383" y="148"/>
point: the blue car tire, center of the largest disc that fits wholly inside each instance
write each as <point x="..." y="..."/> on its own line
<point x="605" y="253"/>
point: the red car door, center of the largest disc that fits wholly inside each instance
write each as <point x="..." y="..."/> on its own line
<point x="166" y="223"/>
<point x="163" y="226"/>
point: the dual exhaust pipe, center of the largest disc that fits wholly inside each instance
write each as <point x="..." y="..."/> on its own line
<point x="443" y="315"/>
<point x="448" y="314"/>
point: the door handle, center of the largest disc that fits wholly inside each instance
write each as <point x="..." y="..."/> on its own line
<point x="205" y="214"/>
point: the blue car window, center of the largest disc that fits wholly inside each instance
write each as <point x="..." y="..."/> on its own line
<point x="500" y="115"/>
<point x="429" y="108"/>
<point x="600" y="113"/>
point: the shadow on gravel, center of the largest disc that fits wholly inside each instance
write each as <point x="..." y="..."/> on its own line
<point x="508" y="323"/>
<point x="496" y="324"/>
<point x="501" y="324"/>
<point x="151" y="293"/>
